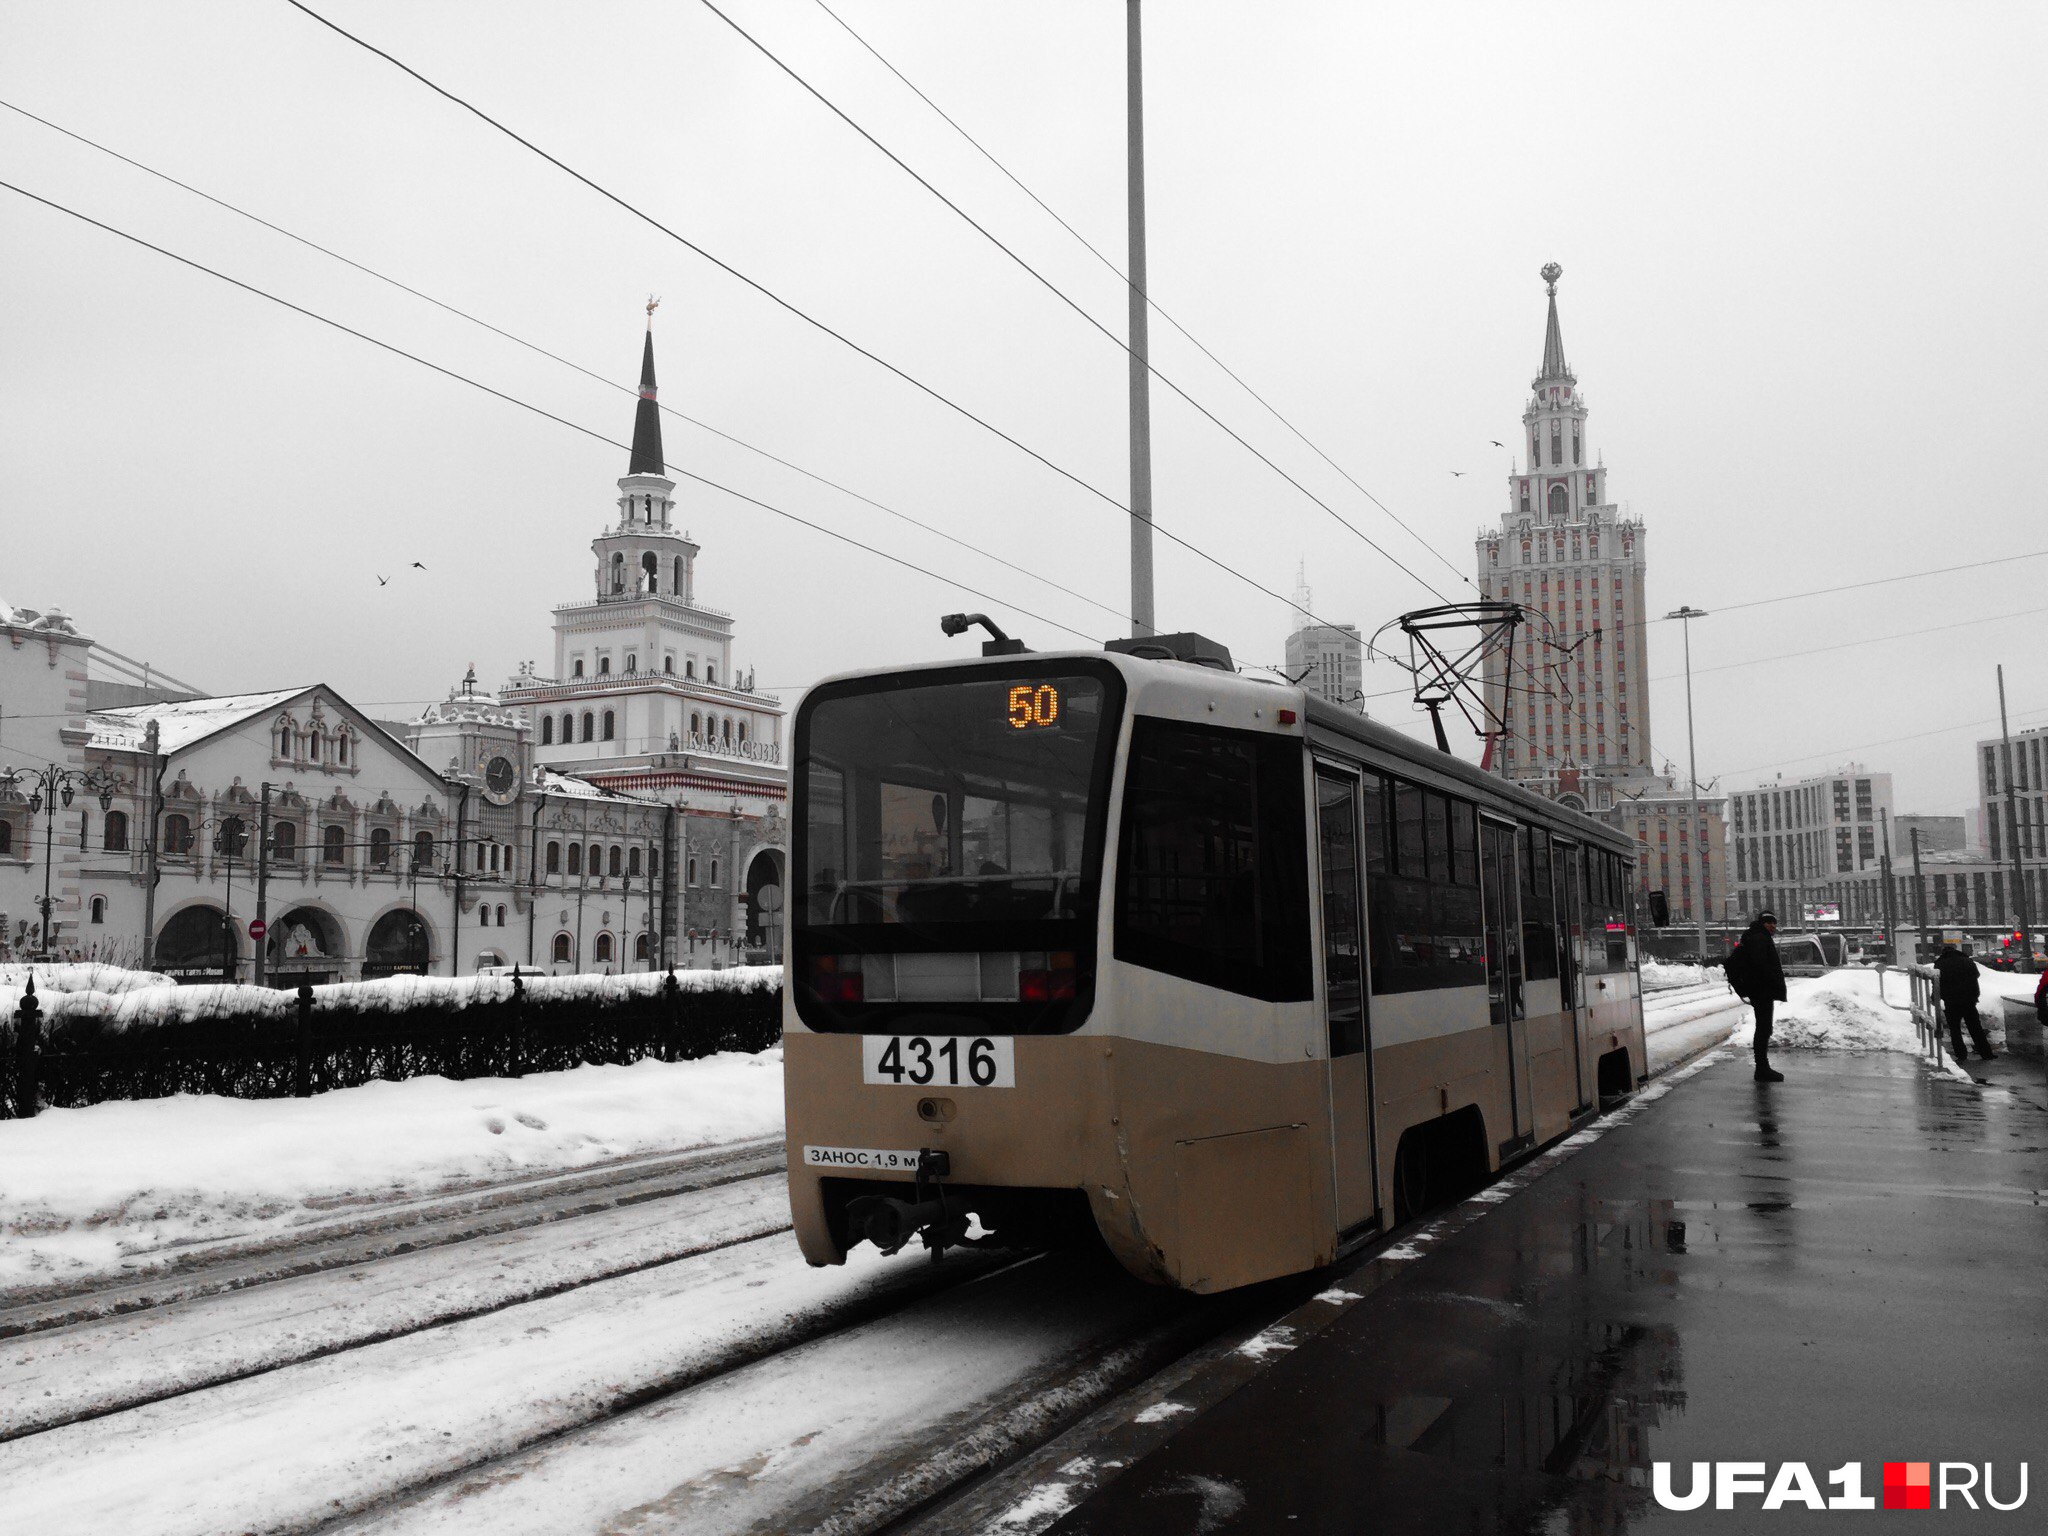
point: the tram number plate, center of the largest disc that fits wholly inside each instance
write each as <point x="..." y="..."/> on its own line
<point x="939" y="1061"/>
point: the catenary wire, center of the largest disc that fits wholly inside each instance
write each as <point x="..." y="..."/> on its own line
<point x="1058" y="293"/>
<point x="1150" y="302"/>
<point x="590" y="373"/>
<point x="1857" y="586"/>
<point x="789" y="306"/>
<point x="549" y="415"/>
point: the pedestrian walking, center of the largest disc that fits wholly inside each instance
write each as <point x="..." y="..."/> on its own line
<point x="1759" y="980"/>
<point x="1959" y="992"/>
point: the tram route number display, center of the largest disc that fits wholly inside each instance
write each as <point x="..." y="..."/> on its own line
<point x="939" y="1061"/>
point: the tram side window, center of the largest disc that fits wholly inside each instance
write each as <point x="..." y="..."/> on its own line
<point x="1607" y="913"/>
<point x="1212" y="876"/>
<point x="1423" y="885"/>
<point x="1539" y="907"/>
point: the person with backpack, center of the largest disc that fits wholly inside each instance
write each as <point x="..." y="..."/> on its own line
<point x="1960" y="990"/>
<point x="1759" y="980"/>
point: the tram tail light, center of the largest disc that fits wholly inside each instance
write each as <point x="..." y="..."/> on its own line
<point x="837" y="978"/>
<point x="1047" y="978"/>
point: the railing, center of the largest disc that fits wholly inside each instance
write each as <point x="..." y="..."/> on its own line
<point x="1927" y="1016"/>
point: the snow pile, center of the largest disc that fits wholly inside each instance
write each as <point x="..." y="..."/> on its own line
<point x="1659" y="977"/>
<point x="1841" y="1012"/>
<point x="141" y="999"/>
<point x="83" y="1189"/>
<point x="79" y="976"/>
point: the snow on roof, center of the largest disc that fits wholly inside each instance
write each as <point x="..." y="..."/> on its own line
<point x="180" y="722"/>
<point x="52" y="620"/>
<point x="552" y="783"/>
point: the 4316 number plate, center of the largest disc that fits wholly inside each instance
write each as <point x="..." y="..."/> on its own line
<point x="939" y="1061"/>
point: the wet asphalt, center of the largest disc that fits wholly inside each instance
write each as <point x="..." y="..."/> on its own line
<point x="1851" y="1266"/>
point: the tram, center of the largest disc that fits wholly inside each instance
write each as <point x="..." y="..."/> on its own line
<point x="1125" y="939"/>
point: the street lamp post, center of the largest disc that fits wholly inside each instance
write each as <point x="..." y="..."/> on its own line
<point x="1685" y="616"/>
<point x="55" y="786"/>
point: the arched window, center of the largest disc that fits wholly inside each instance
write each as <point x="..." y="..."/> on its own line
<point x="610" y="726"/>
<point x="1575" y="444"/>
<point x="575" y="858"/>
<point x="284" y="842"/>
<point x="1556" y="444"/>
<point x="333" y="847"/>
<point x="1559" y="500"/>
<point x="341" y="748"/>
<point x="618" y="573"/>
<point x="668" y="665"/>
<point x="380" y="847"/>
<point x="696" y="725"/>
<point x="650" y="569"/>
<point x="283" y="749"/>
<point x="6" y="839"/>
<point x="568" y="729"/>
<point x="728" y="732"/>
<point x="99" y="909"/>
<point x="116" y="835"/>
<point x="633" y="862"/>
<point x="423" y="850"/>
<point x="589" y="726"/>
<point x="690" y="666"/>
<point x="177" y="833"/>
<point x="640" y="947"/>
<point x="594" y="856"/>
<point x="743" y="733"/>
<point x="501" y="914"/>
<point x="554" y="858"/>
<point x="678" y="587"/>
<point x="714" y="871"/>
<point x="616" y="867"/>
<point x="604" y="666"/>
<point x="576" y="667"/>
<point x="710" y="673"/>
<point x="561" y="950"/>
<point x="632" y="661"/>
<point x="603" y="952"/>
<point x="547" y="730"/>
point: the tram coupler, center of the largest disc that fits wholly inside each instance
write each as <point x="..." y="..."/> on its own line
<point x="889" y="1224"/>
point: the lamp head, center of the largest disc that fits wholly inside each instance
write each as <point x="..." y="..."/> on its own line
<point x="64" y="793"/>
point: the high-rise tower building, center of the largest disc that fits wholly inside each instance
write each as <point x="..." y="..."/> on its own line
<point x="1572" y="692"/>
<point x="1326" y="659"/>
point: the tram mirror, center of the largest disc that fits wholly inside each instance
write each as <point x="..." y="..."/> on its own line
<point x="1660" y="909"/>
<point x="939" y="812"/>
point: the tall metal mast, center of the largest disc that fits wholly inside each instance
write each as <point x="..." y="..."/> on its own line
<point x="1141" y="374"/>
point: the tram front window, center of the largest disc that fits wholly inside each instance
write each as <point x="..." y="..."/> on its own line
<point x="949" y="848"/>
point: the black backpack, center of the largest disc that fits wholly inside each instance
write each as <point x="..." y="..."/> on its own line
<point x="1737" y="965"/>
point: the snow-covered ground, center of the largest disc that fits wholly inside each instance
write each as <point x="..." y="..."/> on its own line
<point x="1659" y="977"/>
<point x="84" y="1190"/>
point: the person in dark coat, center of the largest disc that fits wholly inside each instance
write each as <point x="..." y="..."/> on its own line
<point x="1959" y="992"/>
<point x="1758" y="979"/>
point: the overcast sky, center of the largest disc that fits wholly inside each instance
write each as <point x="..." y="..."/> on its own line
<point x="1802" y="251"/>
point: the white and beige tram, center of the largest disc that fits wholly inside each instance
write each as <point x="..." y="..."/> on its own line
<point x="1235" y="975"/>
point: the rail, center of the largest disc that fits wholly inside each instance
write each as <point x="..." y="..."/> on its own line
<point x="1927" y="1019"/>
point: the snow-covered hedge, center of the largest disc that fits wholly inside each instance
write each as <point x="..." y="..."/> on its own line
<point x="106" y="1034"/>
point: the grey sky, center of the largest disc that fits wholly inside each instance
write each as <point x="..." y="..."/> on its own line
<point x="1801" y="249"/>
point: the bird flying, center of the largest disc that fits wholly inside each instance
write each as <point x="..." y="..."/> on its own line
<point x="417" y="566"/>
<point x="382" y="581"/>
<point x="1457" y="472"/>
<point x="1496" y="442"/>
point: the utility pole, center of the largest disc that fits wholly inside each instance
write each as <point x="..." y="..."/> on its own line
<point x="155" y="765"/>
<point x="1891" y="938"/>
<point x="2012" y="835"/>
<point x="263" y="885"/>
<point x="1141" y="371"/>
<point x="1685" y="616"/>
<point x="1919" y="896"/>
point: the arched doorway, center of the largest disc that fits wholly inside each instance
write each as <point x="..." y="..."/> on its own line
<point x="764" y="905"/>
<point x="195" y="944"/>
<point x="304" y="945"/>
<point x="398" y="945"/>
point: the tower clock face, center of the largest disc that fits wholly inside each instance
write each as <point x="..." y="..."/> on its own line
<point x="501" y="780"/>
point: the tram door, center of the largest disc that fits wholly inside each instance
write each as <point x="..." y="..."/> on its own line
<point x="1353" y="1147"/>
<point x="1571" y="939"/>
<point x="1504" y="993"/>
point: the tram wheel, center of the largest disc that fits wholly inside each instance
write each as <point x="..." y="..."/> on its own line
<point x="1411" y="1177"/>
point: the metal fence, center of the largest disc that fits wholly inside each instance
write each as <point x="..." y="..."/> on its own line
<point x="333" y="1041"/>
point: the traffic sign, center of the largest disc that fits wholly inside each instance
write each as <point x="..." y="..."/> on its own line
<point x="257" y="927"/>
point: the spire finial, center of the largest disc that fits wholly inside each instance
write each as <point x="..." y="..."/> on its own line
<point x="1553" y="340"/>
<point x="654" y="303"/>
<point x="1550" y="274"/>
